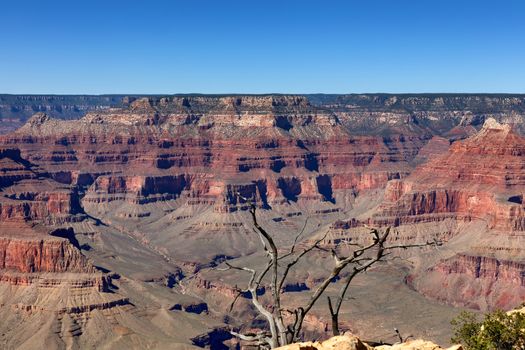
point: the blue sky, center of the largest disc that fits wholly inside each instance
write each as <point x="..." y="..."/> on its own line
<point x="286" y="46"/>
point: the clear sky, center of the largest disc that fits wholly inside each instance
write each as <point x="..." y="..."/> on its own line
<point x="255" y="46"/>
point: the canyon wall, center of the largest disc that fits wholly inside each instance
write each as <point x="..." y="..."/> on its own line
<point x="475" y="281"/>
<point x="362" y="113"/>
<point x="146" y="196"/>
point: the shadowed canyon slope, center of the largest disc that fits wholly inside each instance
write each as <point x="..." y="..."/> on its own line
<point x="125" y="211"/>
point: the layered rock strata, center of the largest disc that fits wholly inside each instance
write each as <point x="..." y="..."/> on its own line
<point x="159" y="191"/>
<point x="478" y="178"/>
<point x="222" y="152"/>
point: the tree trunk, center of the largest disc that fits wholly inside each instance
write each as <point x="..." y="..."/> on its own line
<point x="335" y="318"/>
<point x="335" y="325"/>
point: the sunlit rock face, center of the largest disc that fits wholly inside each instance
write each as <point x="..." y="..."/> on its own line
<point x="124" y="203"/>
<point x="51" y="291"/>
<point x="223" y="152"/>
<point x="480" y="179"/>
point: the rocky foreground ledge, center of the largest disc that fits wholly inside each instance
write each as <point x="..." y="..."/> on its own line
<point x="351" y="342"/>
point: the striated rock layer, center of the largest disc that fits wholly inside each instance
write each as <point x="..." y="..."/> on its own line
<point x="479" y="179"/>
<point x="126" y="211"/>
<point x="211" y="152"/>
<point x="470" y="198"/>
<point x="478" y="282"/>
<point x="160" y="189"/>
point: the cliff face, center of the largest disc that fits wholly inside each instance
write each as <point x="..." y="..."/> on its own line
<point x="489" y="103"/>
<point x="449" y="115"/>
<point x="471" y="197"/>
<point x="220" y="152"/>
<point x="34" y="249"/>
<point x="29" y="193"/>
<point x="359" y="112"/>
<point x="159" y="190"/>
<point x="477" y="282"/>
<point x="479" y="177"/>
<point x="478" y="180"/>
<point x="49" y="288"/>
<point x="41" y="255"/>
<point x="267" y="140"/>
<point x="16" y="109"/>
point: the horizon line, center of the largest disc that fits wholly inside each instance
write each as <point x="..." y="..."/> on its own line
<point x="272" y="94"/>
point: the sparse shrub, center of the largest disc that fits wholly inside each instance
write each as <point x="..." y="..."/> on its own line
<point x="496" y="331"/>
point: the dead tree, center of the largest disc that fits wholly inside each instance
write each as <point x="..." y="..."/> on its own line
<point x="362" y="262"/>
<point x="285" y="330"/>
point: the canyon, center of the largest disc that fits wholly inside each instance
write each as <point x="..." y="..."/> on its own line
<point x="115" y="216"/>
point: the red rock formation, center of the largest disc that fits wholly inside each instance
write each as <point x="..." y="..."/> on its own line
<point x="29" y="194"/>
<point x="176" y="175"/>
<point x="252" y="137"/>
<point x="479" y="178"/>
<point x="33" y="252"/>
<point x="99" y="282"/>
<point x="137" y="189"/>
<point x="478" y="282"/>
<point x="197" y="152"/>
<point x="29" y="249"/>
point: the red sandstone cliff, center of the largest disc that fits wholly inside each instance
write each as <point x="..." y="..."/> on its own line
<point x="477" y="282"/>
<point x="210" y="150"/>
<point x="31" y="252"/>
<point x="478" y="178"/>
<point x="171" y="180"/>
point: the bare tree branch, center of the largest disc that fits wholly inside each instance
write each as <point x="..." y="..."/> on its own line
<point x="278" y="268"/>
<point x="298" y="257"/>
<point x="274" y="255"/>
<point x="298" y="235"/>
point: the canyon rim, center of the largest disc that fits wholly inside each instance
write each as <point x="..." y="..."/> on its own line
<point x="113" y="223"/>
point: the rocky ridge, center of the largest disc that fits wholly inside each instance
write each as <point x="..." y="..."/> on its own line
<point x="476" y="189"/>
<point x="51" y="292"/>
<point x="276" y="150"/>
<point x="362" y="113"/>
<point x="351" y="342"/>
<point x="146" y="199"/>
